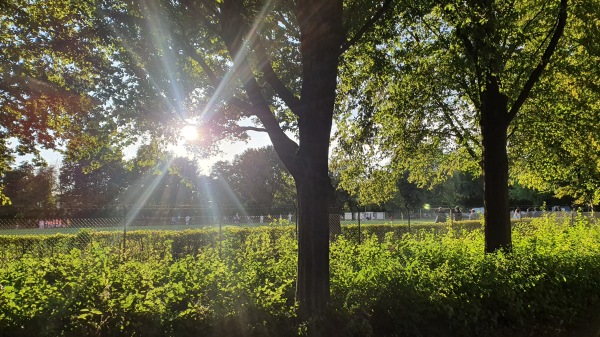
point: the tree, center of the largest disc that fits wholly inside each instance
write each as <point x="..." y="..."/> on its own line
<point x="162" y="184"/>
<point x="563" y="156"/>
<point x="256" y="176"/>
<point x="50" y="60"/>
<point x="166" y="63"/>
<point x="449" y="89"/>
<point x="30" y="191"/>
<point x="217" y="61"/>
<point x="91" y="186"/>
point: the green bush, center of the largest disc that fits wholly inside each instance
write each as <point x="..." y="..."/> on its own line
<point x="433" y="281"/>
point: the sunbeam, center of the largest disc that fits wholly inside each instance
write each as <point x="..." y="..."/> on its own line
<point x="147" y="189"/>
<point x="161" y="36"/>
<point x="231" y="195"/>
<point x="250" y="39"/>
<point x="214" y="210"/>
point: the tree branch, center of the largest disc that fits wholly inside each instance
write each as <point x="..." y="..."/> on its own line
<point x="471" y="52"/>
<point x="232" y="29"/>
<point x="368" y="25"/>
<point x="215" y="81"/>
<point x="271" y="77"/>
<point x="537" y="72"/>
<point x="459" y="132"/>
<point x="249" y="128"/>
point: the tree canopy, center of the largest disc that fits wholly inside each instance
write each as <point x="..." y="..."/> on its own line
<point x="259" y="180"/>
<point x="449" y="91"/>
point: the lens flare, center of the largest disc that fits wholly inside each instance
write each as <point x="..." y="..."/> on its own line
<point x="189" y="133"/>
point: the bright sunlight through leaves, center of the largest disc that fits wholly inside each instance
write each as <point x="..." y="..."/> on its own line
<point x="189" y="132"/>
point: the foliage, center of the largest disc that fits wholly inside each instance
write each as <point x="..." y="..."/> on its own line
<point x="562" y="156"/>
<point x="258" y="179"/>
<point x="414" y="103"/>
<point x="50" y="58"/>
<point x="94" y="182"/>
<point x="439" y="284"/>
<point x="30" y="191"/>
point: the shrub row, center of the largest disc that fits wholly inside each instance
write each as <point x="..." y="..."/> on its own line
<point x="145" y="243"/>
<point x="420" y="284"/>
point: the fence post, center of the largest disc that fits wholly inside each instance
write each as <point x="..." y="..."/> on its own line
<point x="408" y="216"/>
<point x="220" y="232"/>
<point x="359" y="226"/>
<point x="124" y="229"/>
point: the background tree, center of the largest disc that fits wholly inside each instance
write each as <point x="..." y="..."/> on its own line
<point x="91" y="187"/>
<point x="30" y="191"/>
<point x="448" y="90"/>
<point x="259" y="179"/>
<point x="162" y="184"/>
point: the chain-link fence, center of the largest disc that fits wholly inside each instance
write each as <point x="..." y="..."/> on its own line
<point x="18" y="236"/>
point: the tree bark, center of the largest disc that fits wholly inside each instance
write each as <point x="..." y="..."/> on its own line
<point x="494" y="127"/>
<point x="312" y="287"/>
<point x="321" y="37"/>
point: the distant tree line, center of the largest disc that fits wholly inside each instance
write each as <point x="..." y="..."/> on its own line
<point x="254" y="182"/>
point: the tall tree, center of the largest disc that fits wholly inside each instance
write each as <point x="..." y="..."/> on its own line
<point x="50" y="60"/>
<point x="449" y="89"/>
<point x="213" y="62"/>
<point x="564" y="155"/>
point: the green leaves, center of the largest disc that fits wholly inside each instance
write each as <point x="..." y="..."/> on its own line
<point x="160" y="288"/>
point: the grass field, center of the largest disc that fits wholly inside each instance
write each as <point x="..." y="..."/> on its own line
<point x="111" y="228"/>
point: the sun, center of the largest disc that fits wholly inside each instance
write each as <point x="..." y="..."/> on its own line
<point x="189" y="133"/>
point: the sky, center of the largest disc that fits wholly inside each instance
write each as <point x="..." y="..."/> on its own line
<point x="229" y="151"/>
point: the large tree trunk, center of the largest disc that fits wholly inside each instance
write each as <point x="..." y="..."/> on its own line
<point x="321" y="37"/>
<point x="494" y="126"/>
<point x="312" y="288"/>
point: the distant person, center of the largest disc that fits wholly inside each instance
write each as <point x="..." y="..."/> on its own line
<point x="440" y="215"/>
<point x="473" y="215"/>
<point x="187" y="220"/>
<point x="517" y="214"/>
<point x="457" y="214"/>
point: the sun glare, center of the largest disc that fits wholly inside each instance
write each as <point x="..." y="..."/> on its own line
<point x="189" y="133"/>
